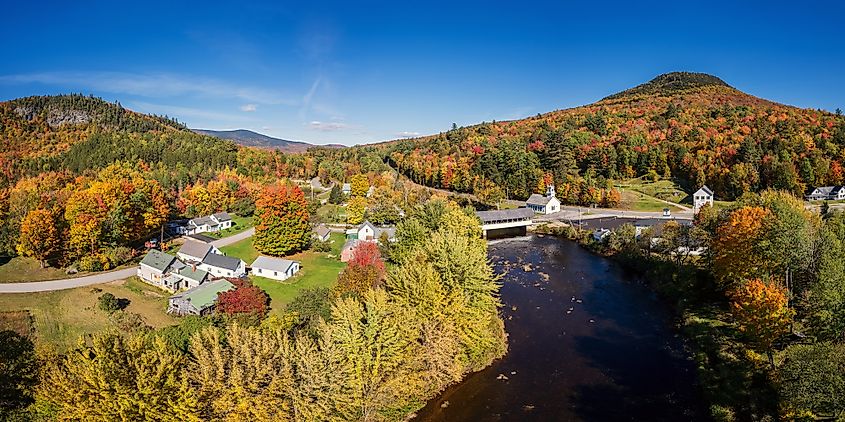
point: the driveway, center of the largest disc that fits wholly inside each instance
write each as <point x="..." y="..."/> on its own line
<point x="99" y="278"/>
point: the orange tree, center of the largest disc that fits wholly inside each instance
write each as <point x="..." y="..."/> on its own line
<point x="281" y="220"/>
<point x="734" y="246"/>
<point x="760" y="309"/>
<point x="39" y="237"/>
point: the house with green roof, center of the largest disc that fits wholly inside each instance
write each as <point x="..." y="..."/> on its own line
<point x="156" y="266"/>
<point x="199" y="300"/>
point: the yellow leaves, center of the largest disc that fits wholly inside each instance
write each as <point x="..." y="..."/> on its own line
<point x="735" y="257"/>
<point x="760" y="309"/>
<point x="39" y="237"/>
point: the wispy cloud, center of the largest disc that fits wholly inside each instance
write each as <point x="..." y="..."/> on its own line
<point x="328" y="126"/>
<point x="407" y="134"/>
<point x="183" y="112"/>
<point x="153" y="85"/>
<point x="249" y="108"/>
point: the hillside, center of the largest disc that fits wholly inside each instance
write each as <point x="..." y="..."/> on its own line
<point x="691" y="127"/>
<point x="252" y="139"/>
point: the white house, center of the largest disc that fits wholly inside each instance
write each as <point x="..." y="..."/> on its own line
<point x="703" y="196"/>
<point x="827" y="193"/>
<point x="544" y="204"/>
<point x="212" y="223"/>
<point x="194" y="251"/>
<point x="275" y="268"/>
<point x="321" y="233"/>
<point x="369" y="231"/>
<point x="156" y="267"/>
<point x="223" y="266"/>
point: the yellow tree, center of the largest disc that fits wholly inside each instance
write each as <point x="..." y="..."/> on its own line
<point x="761" y="312"/>
<point x="39" y="237"/>
<point x="735" y="257"/>
<point x="359" y="185"/>
<point x="355" y="210"/>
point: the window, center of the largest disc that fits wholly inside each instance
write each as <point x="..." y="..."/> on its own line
<point x="276" y="273"/>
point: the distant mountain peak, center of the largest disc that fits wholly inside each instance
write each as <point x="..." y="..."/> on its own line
<point x="254" y="139"/>
<point x="671" y="83"/>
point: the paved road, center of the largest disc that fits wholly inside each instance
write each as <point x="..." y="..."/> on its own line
<point x="69" y="283"/>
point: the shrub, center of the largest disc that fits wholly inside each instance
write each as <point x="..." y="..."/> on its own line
<point x="108" y="302"/>
<point x="321" y="246"/>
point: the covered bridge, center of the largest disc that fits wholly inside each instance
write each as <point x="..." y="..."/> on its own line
<point x="500" y="223"/>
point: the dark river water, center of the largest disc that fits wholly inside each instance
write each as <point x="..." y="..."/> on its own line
<point x="586" y="343"/>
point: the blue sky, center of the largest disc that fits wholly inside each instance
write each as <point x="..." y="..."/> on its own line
<point x="357" y="72"/>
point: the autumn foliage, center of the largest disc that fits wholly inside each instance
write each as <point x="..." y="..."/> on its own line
<point x="39" y="237"/>
<point x="365" y="271"/>
<point x="734" y="245"/>
<point x="245" y="298"/>
<point x="760" y="309"/>
<point x="281" y="220"/>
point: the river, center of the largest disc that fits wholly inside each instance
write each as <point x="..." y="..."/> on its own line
<point x="586" y="343"/>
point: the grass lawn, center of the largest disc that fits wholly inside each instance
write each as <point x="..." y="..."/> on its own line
<point x="61" y="317"/>
<point x="332" y="213"/>
<point x="318" y="270"/>
<point x="27" y="269"/>
<point x="661" y="189"/>
<point x="636" y="201"/>
<point x="239" y="224"/>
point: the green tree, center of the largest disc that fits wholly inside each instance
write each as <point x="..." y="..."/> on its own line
<point x="336" y="195"/>
<point x="825" y="298"/>
<point x="811" y="381"/>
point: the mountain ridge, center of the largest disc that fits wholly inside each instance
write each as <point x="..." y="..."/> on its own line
<point x="251" y="138"/>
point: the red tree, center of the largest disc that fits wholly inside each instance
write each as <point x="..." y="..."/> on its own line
<point x="364" y="272"/>
<point x="245" y="298"/>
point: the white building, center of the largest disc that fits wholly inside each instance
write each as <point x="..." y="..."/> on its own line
<point x="544" y="204"/>
<point x="223" y="266"/>
<point x="827" y="193"/>
<point x="196" y="251"/>
<point x="702" y="197"/>
<point x="369" y="231"/>
<point x="212" y="223"/>
<point x="275" y="268"/>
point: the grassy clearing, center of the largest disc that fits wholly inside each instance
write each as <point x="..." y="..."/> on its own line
<point x="19" y="268"/>
<point x="636" y="201"/>
<point x="61" y="317"/>
<point x="332" y="213"/>
<point x="318" y="270"/>
<point x="239" y="224"/>
<point x="661" y="189"/>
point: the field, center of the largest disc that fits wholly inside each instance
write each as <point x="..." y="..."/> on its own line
<point x="27" y="269"/>
<point x="639" y="194"/>
<point x="61" y="317"/>
<point x="318" y="270"/>
<point x="332" y="213"/>
<point x="240" y="224"/>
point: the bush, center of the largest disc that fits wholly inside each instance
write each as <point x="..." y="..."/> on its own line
<point x="129" y="322"/>
<point x="117" y="256"/>
<point x="93" y="263"/>
<point x="108" y="302"/>
<point x="321" y="245"/>
<point x="812" y="380"/>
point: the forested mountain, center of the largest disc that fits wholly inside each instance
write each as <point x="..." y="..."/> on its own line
<point x="252" y="139"/>
<point x="692" y="127"/>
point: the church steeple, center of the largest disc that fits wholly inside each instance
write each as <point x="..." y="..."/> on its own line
<point x="550" y="191"/>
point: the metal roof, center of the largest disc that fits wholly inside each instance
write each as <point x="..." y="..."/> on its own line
<point x="221" y="261"/>
<point x="204" y="295"/>
<point x="195" y="249"/>
<point x="502" y="215"/>
<point x="272" y="263"/>
<point x="158" y="259"/>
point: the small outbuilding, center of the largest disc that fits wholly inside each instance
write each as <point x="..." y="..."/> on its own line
<point x="275" y="268"/>
<point x="322" y="233"/>
<point x="199" y="300"/>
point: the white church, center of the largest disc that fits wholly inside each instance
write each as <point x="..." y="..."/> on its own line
<point x="544" y="204"/>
